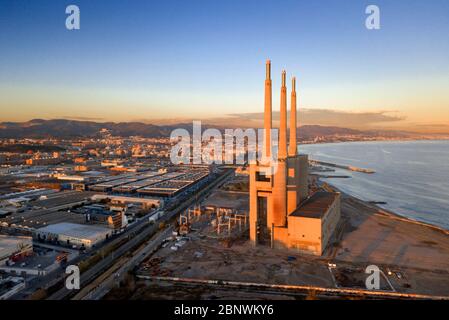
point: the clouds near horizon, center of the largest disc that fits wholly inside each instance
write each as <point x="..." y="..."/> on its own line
<point x="324" y="117"/>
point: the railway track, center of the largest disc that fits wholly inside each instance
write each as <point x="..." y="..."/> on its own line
<point x="292" y="290"/>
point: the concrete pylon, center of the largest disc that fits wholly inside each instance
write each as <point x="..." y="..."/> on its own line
<point x="293" y="145"/>
<point x="282" y="154"/>
<point x="267" y="113"/>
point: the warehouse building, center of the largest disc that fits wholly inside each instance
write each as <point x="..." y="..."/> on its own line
<point x="11" y="247"/>
<point x="312" y="224"/>
<point x="72" y="234"/>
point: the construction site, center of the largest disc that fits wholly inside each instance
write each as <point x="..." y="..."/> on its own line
<point x="211" y="242"/>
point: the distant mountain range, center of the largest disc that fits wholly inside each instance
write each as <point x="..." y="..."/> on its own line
<point x="61" y="128"/>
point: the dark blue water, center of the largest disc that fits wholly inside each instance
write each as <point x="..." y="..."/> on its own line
<point x="411" y="176"/>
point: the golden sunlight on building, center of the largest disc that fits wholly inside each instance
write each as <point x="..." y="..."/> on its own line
<point x="282" y="213"/>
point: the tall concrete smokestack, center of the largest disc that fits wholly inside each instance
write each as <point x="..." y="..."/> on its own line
<point x="267" y="114"/>
<point x="279" y="193"/>
<point x="283" y="121"/>
<point x="293" y="147"/>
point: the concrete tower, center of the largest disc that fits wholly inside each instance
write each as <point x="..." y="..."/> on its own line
<point x="280" y="177"/>
<point x="267" y="114"/>
<point x="292" y="147"/>
<point x="282" y="153"/>
<point x="294" y="162"/>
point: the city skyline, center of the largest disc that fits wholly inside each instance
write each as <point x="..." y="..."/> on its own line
<point x="164" y="62"/>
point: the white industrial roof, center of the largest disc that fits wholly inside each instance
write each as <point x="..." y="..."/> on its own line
<point x="74" y="230"/>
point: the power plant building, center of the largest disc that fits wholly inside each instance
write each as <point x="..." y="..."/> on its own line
<point x="282" y="213"/>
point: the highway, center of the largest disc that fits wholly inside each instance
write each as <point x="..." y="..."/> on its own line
<point x="103" y="284"/>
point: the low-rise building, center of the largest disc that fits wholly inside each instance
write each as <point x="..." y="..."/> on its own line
<point x="11" y="247"/>
<point x="113" y="218"/>
<point x="312" y="224"/>
<point x="73" y="234"/>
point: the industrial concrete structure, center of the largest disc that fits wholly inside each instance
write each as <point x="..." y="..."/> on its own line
<point x="279" y="190"/>
<point x="312" y="224"/>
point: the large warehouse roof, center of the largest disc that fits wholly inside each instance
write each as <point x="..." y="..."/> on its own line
<point x="79" y="231"/>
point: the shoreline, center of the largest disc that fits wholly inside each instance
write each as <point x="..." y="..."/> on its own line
<point x="375" y="140"/>
<point x="411" y="206"/>
<point x="386" y="212"/>
<point x="414" y="255"/>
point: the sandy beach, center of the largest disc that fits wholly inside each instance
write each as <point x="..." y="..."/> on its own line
<point x="418" y="252"/>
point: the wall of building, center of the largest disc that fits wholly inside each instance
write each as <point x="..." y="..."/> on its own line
<point x="305" y="234"/>
<point x="66" y="240"/>
<point x="330" y="221"/>
<point x="281" y="238"/>
<point x="292" y="184"/>
<point x="303" y="183"/>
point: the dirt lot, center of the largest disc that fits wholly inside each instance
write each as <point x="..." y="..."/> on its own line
<point x="209" y="259"/>
<point x="418" y="254"/>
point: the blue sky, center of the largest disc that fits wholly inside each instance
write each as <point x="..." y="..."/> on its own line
<point x="138" y="60"/>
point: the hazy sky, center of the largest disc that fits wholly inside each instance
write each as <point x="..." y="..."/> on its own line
<point x="143" y="60"/>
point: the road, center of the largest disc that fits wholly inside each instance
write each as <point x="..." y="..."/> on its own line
<point x="106" y="262"/>
<point x="103" y="284"/>
<point x="58" y="274"/>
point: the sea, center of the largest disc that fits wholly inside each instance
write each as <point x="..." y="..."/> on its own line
<point x="411" y="177"/>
